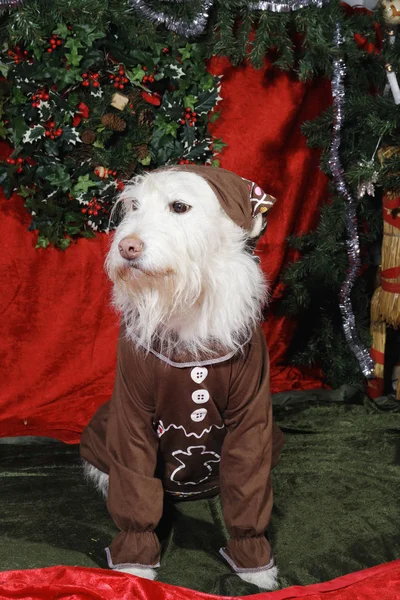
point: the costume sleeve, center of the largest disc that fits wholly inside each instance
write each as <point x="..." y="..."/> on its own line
<point x="245" y="469"/>
<point x="135" y="496"/>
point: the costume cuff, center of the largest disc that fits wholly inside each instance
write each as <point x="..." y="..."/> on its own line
<point x="248" y="553"/>
<point x="134" y="549"/>
<point x="127" y="565"/>
<point x="234" y="567"/>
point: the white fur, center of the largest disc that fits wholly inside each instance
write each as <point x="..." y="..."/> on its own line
<point x="195" y="288"/>
<point x="144" y="572"/>
<point x="265" y="580"/>
<point x="97" y="477"/>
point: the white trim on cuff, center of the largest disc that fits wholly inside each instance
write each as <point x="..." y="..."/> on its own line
<point x="127" y="565"/>
<point x="237" y="569"/>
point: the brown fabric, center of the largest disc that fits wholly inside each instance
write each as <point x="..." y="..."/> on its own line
<point x="150" y="425"/>
<point x="241" y="199"/>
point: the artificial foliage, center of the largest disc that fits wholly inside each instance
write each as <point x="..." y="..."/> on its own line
<point x="57" y="174"/>
<point x="85" y="109"/>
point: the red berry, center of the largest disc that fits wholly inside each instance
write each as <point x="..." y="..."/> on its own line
<point x="55" y="36"/>
<point x="95" y="213"/>
<point x="117" y="79"/>
<point x="121" y="72"/>
<point x="47" y="134"/>
<point x="85" y="83"/>
<point x="111" y="76"/>
<point x="69" y="27"/>
<point x="84" y="75"/>
<point x="46" y="97"/>
<point x="84" y="210"/>
<point x="151" y="79"/>
<point x="8" y="160"/>
<point x="19" y="170"/>
<point x="96" y="84"/>
<point x="25" y="52"/>
<point x="51" y="124"/>
<point x="109" y="171"/>
<point x="59" y="42"/>
<point x="116" y="85"/>
<point x="188" y="109"/>
<point x="52" y="137"/>
<point x="182" y="121"/>
<point x="191" y="124"/>
<point x="20" y="160"/>
<point x="10" y="53"/>
<point x="95" y="76"/>
<point x="53" y="43"/>
<point x="194" y="120"/>
<point x="49" y="50"/>
<point x="194" y="114"/>
<point x="144" y="68"/>
<point x="114" y="173"/>
<point x="165" y="50"/>
<point x="97" y="206"/>
<point x="59" y="132"/>
<point x="121" y="86"/>
<point x="187" y="116"/>
<point x="125" y="80"/>
<point x="90" y="211"/>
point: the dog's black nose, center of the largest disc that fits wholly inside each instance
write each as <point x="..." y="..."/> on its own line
<point x="130" y="247"/>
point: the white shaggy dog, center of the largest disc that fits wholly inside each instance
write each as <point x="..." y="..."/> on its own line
<point x="190" y="293"/>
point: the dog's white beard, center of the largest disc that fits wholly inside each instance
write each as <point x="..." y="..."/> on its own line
<point x="200" y="312"/>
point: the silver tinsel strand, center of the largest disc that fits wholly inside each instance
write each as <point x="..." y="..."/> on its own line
<point x="194" y="28"/>
<point x="199" y="23"/>
<point x="10" y="3"/>
<point x="280" y="7"/>
<point x="353" y="245"/>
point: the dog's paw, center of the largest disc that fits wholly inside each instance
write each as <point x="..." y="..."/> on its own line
<point x="144" y="572"/>
<point x="266" y="580"/>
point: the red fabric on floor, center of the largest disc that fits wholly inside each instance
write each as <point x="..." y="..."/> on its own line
<point x="75" y="583"/>
<point x="58" y="332"/>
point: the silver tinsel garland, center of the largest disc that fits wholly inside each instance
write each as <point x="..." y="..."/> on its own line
<point x="198" y="24"/>
<point x="10" y="3"/>
<point x="180" y="26"/>
<point x="353" y="244"/>
<point x="291" y="6"/>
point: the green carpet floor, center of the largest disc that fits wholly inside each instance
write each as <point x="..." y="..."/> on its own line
<point x="337" y="501"/>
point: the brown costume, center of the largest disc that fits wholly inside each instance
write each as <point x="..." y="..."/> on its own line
<point x="209" y="424"/>
<point x="205" y="427"/>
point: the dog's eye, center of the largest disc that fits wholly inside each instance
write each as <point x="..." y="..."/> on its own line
<point x="180" y="207"/>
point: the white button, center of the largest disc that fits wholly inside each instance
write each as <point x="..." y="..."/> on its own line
<point x="199" y="414"/>
<point x="200" y="396"/>
<point x="199" y="374"/>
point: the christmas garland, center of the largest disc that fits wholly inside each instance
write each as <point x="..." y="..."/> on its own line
<point x="84" y="112"/>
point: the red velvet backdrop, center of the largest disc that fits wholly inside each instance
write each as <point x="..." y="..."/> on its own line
<point x="58" y="332"/>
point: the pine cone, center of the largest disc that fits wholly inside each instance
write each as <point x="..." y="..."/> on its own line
<point x="129" y="171"/>
<point x="113" y="122"/>
<point x="146" y="118"/>
<point x="88" y="136"/>
<point x="142" y="151"/>
<point x="134" y="96"/>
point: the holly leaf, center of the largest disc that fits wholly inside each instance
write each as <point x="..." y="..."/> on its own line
<point x="88" y="233"/>
<point x="83" y="185"/>
<point x="56" y="175"/>
<point x="199" y="150"/>
<point x="214" y="116"/>
<point x="136" y="74"/>
<point x="3" y="131"/>
<point x="62" y="30"/>
<point x="42" y="242"/>
<point x="4" y="69"/>
<point x="206" y="101"/>
<point x="73" y="43"/>
<point x="70" y="135"/>
<point x="186" y="51"/>
<point x="145" y="161"/>
<point x="73" y="57"/>
<point x="190" y="101"/>
<point x="188" y="136"/>
<point x="88" y="34"/>
<point x="218" y="145"/>
<point x="63" y="243"/>
<point x="33" y="134"/>
<point x="215" y="163"/>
